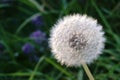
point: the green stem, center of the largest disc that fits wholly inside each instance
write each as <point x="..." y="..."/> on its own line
<point x="25" y="23"/>
<point x="89" y="74"/>
<point x="38" y="6"/>
<point x="35" y="69"/>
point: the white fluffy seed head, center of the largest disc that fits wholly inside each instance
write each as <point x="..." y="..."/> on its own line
<point x="76" y="39"/>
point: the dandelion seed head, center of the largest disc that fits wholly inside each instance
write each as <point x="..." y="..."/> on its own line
<point x="76" y="39"/>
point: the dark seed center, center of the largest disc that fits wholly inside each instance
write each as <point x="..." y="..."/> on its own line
<point x="77" y="41"/>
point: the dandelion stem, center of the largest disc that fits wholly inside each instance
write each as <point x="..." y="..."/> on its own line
<point x="89" y="74"/>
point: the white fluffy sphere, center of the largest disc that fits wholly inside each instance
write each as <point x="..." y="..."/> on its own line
<point x="76" y="39"/>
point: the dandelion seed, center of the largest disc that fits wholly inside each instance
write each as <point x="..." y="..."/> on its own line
<point x="76" y="39"/>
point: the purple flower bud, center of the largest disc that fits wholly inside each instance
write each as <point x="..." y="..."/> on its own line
<point x="38" y="36"/>
<point x="37" y="20"/>
<point x="28" y="48"/>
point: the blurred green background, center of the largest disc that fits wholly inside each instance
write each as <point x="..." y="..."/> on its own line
<point x="24" y="34"/>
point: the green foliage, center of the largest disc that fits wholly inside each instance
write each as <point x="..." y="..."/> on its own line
<point x="16" y="26"/>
